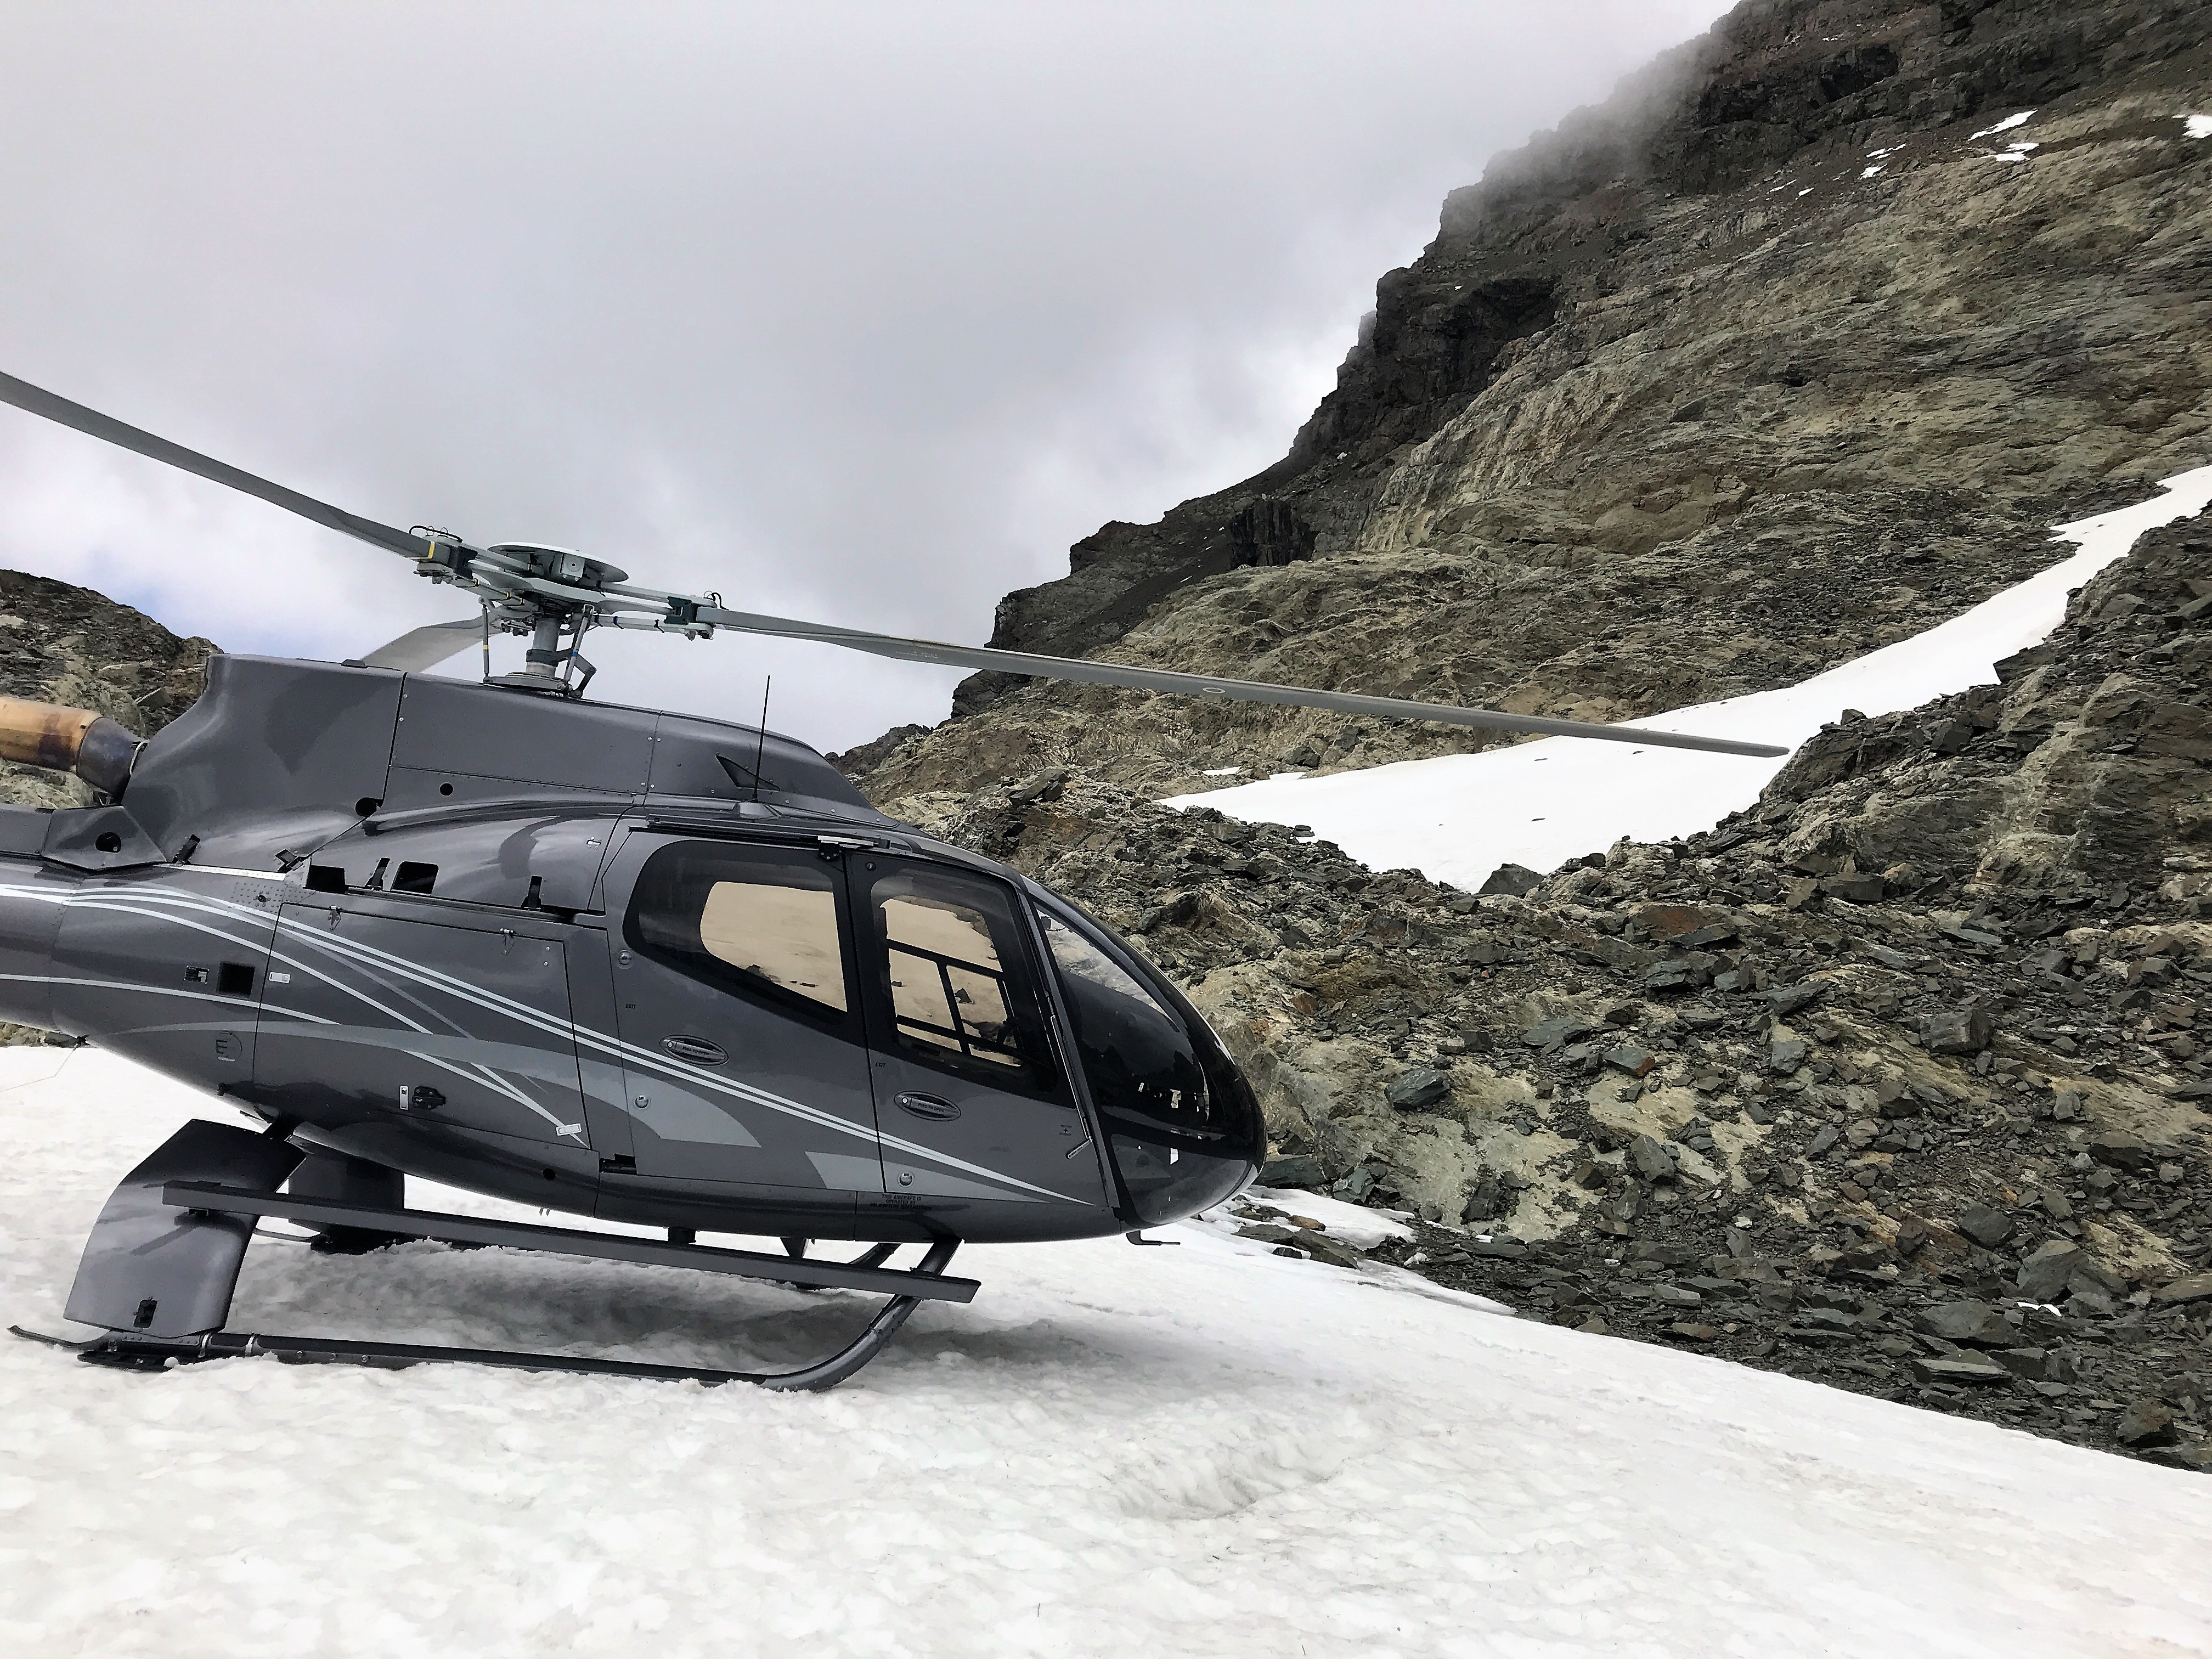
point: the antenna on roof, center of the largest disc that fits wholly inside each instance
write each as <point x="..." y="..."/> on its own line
<point x="760" y="747"/>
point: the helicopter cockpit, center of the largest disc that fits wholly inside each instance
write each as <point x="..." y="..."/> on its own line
<point x="1184" y="1129"/>
<point x="1007" y="1050"/>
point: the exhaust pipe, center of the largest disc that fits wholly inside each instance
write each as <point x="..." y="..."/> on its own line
<point x="76" y="740"/>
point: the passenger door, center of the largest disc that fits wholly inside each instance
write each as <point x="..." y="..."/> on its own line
<point x="969" y="1092"/>
<point x="743" y="1044"/>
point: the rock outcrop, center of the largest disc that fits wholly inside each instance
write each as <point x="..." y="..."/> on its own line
<point x="1796" y="346"/>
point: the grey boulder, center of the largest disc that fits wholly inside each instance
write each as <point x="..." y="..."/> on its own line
<point x="1423" y="1085"/>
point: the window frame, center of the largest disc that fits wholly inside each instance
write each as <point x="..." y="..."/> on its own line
<point x="1205" y="1046"/>
<point x="1043" y="1075"/>
<point x="724" y="977"/>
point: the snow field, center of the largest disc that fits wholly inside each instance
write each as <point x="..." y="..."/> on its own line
<point x="1207" y="1450"/>
<point x="1457" y="817"/>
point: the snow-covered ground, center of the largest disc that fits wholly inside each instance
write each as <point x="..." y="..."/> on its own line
<point x="1457" y="817"/>
<point x="1205" y="1451"/>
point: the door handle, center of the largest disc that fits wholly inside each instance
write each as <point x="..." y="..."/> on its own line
<point x="929" y="1106"/>
<point x="698" y="1049"/>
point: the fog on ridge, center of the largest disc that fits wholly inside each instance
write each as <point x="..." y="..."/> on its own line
<point x="858" y="313"/>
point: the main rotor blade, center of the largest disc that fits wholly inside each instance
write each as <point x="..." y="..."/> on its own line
<point x="425" y="647"/>
<point x="1160" y="679"/>
<point x="38" y="401"/>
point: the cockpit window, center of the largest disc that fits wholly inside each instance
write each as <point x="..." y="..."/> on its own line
<point x="1182" y="1126"/>
<point x="948" y="989"/>
<point x="785" y="936"/>
<point x="1135" y="1053"/>
<point x="953" y="977"/>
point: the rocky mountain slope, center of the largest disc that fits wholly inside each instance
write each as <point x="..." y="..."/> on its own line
<point x="1795" y="346"/>
<point x="1832" y="1089"/>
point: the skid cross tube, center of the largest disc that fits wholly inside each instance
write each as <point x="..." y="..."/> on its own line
<point x="925" y="1283"/>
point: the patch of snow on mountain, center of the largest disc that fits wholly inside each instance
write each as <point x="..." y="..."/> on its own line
<point x="2197" y="126"/>
<point x="1457" y="817"/>
<point x="1209" y="1450"/>
<point x="2005" y="125"/>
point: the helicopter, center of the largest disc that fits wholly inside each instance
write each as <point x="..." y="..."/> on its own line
<point x="623" y="964"/>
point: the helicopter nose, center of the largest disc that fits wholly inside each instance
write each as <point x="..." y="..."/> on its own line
<point x="1167" y="1180"/>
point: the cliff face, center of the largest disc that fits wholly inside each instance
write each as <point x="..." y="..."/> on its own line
<point x="1798" y="345"/>
<point x="1780" y="355"/>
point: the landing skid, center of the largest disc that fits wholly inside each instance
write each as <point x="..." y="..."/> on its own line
<point x="126" y="1352"/>
<point x="160" y="1267"/>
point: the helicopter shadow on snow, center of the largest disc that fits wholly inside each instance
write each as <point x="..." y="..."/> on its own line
<point x="432" y="1293"/>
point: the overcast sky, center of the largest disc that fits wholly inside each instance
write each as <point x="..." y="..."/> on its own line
<point x="855" y="312"/>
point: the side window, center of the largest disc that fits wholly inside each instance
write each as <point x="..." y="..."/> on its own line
<point x="953" y="975"/>
<point x="758" y="920"/>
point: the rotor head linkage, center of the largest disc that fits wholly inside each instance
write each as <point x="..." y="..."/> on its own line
<point x="549" y="665"/>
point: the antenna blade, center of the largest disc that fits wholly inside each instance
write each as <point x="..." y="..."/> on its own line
<point x="424" y="647"/>
<point x="1160" y="679"/>
<point x="25" y="396"/>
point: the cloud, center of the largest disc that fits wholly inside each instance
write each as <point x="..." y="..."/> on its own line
<point x="861" y="313"/>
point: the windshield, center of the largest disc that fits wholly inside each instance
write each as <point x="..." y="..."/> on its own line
<point x="1179" y="1119"/>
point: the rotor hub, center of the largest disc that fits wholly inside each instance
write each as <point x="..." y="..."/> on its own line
<point x="564" y="565"/>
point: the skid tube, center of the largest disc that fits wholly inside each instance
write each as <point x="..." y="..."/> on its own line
<point x="141" y="1351"/>
<point x="128" y="1352"/>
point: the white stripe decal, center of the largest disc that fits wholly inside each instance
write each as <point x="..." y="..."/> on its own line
<point x="108" y="900"/>
<point x="750" y="1093"/>
<point x="369" y="957"/>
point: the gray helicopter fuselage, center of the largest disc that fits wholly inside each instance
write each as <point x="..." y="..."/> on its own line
<point x="611" y="961"/>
